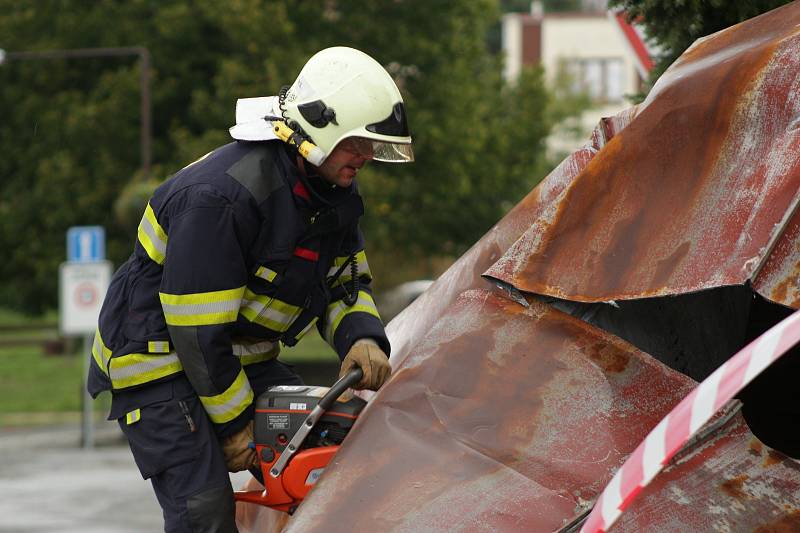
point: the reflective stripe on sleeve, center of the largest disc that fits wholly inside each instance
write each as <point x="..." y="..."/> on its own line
<point x="338" y="310"/>
<point x="133" y="417"/>
<point x="158" y="346"/>
<point x="361" y="262"/>
<point x="266" y="273"/>
<point x="230" y="404"/>
<point x="100" y="353"/>
<point x="138" y="368"/>
<point x="152" y="236"/>
<point x="268" y="311"/>
<point x="203" y="308"/>
<point x="251" y="353"/>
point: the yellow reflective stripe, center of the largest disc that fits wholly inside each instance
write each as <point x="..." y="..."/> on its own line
<point x="158" y="346"/>
<point x="203" y="308"/>
<point x="230" y="404"/>
<point x="133" y="416"/>
<point x="138" y="368"/>
<point x="266" y="273"/>
<point x="251" y="353"/>
<point x="152" y="236"/>
<point x="338" y="310"/>
<point x="268" y="311"/>
<point x="361" y="262"/>
<point x="100" y="353"/>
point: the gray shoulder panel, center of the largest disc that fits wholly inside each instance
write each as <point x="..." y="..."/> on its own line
<point x="257" y="172"/>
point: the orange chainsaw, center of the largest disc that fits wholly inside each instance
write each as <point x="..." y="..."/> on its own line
<point x="297" y="429"/>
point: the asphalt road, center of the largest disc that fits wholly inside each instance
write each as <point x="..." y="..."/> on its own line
<point x="49" y="484"/>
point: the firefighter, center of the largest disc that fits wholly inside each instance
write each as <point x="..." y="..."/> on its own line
<point x="243" y="250"/>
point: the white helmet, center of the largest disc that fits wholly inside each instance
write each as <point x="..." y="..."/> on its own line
<point x="342" y="92"/>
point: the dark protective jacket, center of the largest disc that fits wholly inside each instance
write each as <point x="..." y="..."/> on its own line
<point x="235" y="252"/>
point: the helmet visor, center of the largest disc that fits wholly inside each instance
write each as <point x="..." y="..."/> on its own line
<point x="378" y="150"/>
<point x="392" y="152"/>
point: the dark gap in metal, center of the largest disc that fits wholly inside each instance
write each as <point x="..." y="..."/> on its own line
<point x="696" y="333"/>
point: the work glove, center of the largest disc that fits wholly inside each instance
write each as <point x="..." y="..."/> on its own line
<point x="366" y="355"/>
<point x="239" y="455"/>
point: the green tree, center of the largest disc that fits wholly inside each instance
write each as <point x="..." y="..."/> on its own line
<point x="70" y="128"/>
<point x="674" y="25"/>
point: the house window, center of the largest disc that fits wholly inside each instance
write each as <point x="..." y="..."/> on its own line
<point x="603" y="79"/>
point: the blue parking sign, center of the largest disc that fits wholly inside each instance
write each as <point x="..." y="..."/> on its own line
<point x="86" y="244"/>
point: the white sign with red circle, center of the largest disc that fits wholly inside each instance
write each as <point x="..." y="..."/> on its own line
<point x="82" y="289"/>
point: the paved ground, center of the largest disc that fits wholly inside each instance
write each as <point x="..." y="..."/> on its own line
<point x="49" y="484"/>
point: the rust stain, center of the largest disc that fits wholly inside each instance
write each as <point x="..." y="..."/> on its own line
<point x="733" y="487"/>
<point x="608" y="357"/>
<point x="666" y="267"/>
<point x="781" y="292"/>
<point x="756" y="447"/>
<point x="779" y="280"/>
<point x="789" y="523"/>
<point x="688" y="497"/>
<point x="773" y="457"/>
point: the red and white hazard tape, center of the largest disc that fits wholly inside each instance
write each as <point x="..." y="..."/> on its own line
<point x="686" y="418"/>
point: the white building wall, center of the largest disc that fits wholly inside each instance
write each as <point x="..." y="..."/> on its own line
<point x="585" y="37"/>
<point x="512" y="45"/>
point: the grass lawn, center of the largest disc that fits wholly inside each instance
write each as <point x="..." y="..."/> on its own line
<point x="39" y="388"/>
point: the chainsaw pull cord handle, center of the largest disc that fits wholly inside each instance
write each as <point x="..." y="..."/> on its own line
<point x="344" y="383"/>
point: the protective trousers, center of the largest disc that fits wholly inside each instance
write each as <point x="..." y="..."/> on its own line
<point x="175" y="447"/>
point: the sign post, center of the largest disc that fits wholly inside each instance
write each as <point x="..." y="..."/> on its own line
<point x="83" y="281"/>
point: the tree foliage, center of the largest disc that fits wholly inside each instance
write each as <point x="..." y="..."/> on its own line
<point x="70" y="128"/>
<point x="674" y="25"/>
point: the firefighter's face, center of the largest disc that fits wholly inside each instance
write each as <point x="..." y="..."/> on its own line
<point x="344" y="162"/>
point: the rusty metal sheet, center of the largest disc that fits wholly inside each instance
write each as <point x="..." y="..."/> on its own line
<point x="694" y="192"/>
<point x="502" y="418"/>
<point x="730" y="482"/>
<point x="414" y="322"/>
<point x="779" y="280"/>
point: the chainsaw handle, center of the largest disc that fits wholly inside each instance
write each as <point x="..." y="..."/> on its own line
<point x="336" y="390"/>
<point x="349" y="379"/>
